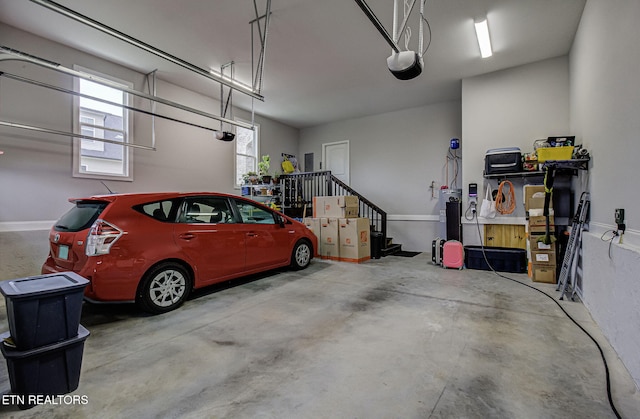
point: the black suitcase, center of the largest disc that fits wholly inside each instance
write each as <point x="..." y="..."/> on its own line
<point x="436" y="251"/>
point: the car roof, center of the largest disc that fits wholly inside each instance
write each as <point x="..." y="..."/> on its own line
<point x="149" y="196"/>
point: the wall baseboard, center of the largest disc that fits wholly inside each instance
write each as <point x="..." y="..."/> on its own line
<point x="631" y="238"/>
<point x="409" y="217"/>
<point x="436" y="218"/>
<point x="8" y="226"/>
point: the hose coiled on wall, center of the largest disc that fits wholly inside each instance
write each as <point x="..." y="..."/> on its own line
<point x="505" y="205"/>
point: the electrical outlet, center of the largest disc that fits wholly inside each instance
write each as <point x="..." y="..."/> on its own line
<point x="619" y="216"/>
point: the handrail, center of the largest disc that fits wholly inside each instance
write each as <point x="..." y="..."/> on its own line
<point x="299" y="189"/>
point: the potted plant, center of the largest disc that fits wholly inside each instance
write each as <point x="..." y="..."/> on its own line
<point x="276" y="177"/>
<point x="263" y="167"/>
<point x="250" y="177"/>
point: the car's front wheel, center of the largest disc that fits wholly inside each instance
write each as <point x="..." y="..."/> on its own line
<point x="301" y="255"/>
<point x="164" y="288"/>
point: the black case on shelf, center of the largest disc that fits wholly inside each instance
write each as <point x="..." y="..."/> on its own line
<point x="502" y="160"/>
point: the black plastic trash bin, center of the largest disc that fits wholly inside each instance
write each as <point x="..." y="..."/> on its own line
<point x="45" y="309"/>
<point x="45" y="342"/>
<point x="376" y="245"/>
<point x="44" y="371"/>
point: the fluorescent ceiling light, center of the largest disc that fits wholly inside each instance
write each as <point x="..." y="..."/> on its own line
<point x="482" y="32"/>
<point x="233" y="81"/>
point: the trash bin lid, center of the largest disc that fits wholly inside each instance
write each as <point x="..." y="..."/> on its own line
<point x="10" y="352"/>
<point x="42" y="284"/>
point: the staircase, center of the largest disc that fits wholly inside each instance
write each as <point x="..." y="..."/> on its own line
<point x="299" y="189"/>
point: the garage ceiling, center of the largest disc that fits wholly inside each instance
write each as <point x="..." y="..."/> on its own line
<point x="325" y="61"/>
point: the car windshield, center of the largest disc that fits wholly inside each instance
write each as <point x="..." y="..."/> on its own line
<point x="80" y="217"/>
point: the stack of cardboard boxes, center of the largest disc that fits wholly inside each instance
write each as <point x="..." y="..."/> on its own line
<point x="542" y="256"/>
<point x="342" y="235"/>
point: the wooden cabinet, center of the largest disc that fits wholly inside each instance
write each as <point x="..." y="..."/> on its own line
<point x="505" y="235"/>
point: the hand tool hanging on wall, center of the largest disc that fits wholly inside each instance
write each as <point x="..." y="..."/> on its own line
<point x="549" y="175"/>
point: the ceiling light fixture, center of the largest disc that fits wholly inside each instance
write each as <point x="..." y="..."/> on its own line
<point x="230" y="79"/>
<point x="484" y="41"/>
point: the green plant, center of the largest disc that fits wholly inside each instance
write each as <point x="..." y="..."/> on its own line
<point x="264" y="165"/>
<point x="249" y="177"/>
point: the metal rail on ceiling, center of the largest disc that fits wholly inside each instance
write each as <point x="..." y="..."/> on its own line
<point x="16" y="55"/>
<point x="378" y="25"/>
<point x="71" y="134"/>
<point x="58" y="8"/>
<point x="98" y="99"/>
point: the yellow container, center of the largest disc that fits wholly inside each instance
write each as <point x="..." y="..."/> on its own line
<point x="554" y="153"/>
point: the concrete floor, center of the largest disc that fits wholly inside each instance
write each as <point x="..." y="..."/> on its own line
<point x="391" y="338"/>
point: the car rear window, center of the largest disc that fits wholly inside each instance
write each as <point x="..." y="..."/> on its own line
<point x="81" y="216"/>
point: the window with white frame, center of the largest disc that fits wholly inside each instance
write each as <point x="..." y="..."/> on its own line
<point x="246" y="152"/>
<point x="106" y="127"/>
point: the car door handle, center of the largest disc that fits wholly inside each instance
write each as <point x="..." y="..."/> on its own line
<point x="187" y="236"/>
<point x="251" y="234"/>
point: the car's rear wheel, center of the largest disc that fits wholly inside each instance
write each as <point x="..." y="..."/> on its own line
<point x="301" y="255"/>
<point x="164" y="288"/>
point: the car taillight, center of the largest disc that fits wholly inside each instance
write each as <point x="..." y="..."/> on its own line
<point x="102" y="236"/>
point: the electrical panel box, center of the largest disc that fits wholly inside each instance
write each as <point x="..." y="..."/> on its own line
<point x="619" y="214"/>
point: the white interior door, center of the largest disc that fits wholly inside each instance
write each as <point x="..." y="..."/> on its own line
<point x="335" y="157"/>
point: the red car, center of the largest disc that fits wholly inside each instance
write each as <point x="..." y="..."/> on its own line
<point x="154" y="248"/>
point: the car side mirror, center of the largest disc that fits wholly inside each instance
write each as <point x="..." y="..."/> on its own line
<point x="281" y="220"/>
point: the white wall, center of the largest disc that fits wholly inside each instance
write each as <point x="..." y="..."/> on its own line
<point x="393" y="159"/>
<point x="605" y="99"/>
<point x="35" y="170"/>
<point x="511" y="108"/>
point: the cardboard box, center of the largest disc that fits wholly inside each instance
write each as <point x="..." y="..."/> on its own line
<point x="355" y="241"/>
<point x="343" y="206"/>
<point x="313" y="224"/>
<point x="544" y="274"/>
<point x="536" y="245"/>
<point x="534" y="197"/>
<point x="329" y="238"/>
<point x="543" y="259"/>
<point x="538" y="224"/>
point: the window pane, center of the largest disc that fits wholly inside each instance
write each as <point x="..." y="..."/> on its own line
<point x="80" y="217"/>
<point x="246" y="152"/>
<point x="102" y="121"/>
<point x="252" y="214"/>
<point x="205" y="210"/>
<point x="245" y="142"/>
<point x="244" y="164"/>
<point x="103" y="92"/>
<point x="161" y="210"/>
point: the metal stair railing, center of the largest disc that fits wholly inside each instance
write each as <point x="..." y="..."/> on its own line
<point x="299" y="189"/>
